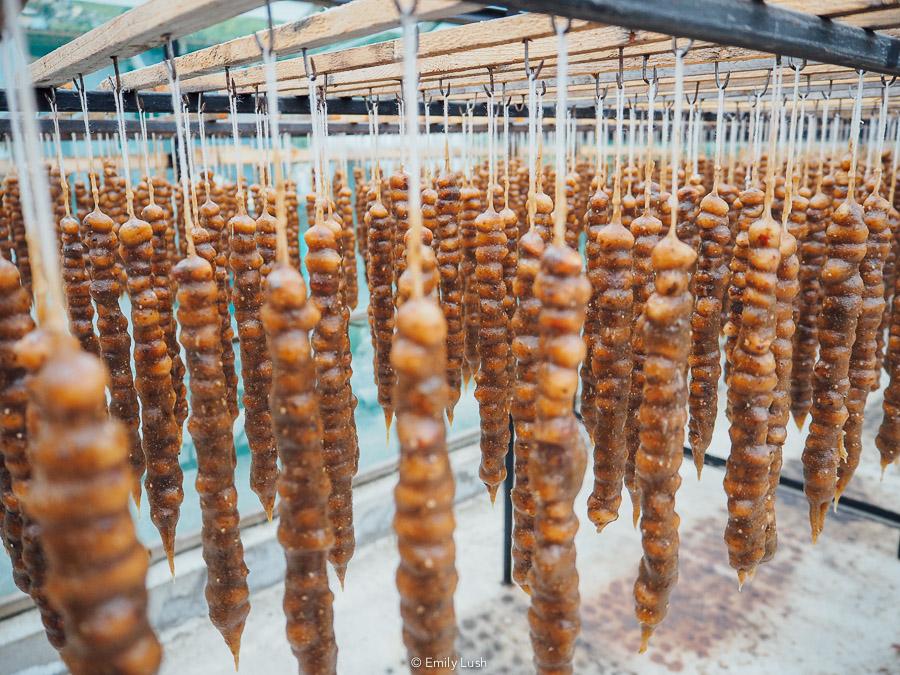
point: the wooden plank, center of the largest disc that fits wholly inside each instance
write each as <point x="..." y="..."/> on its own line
<point x="509" y="30"/>
<point x="356" y="19"/>
<point x="876" y="20"/>
<point x="133" y="32"/>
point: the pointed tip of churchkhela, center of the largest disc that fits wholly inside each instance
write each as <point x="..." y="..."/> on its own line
<point x="635" y="514"/>
<point x="744" y="576"/>
<point x="842" y="451"/>
<point x="270" y="508"/>
<point x="450" y="415"/>
<point x="136" y="495"/>
<point x="492" y="492"/>
<point x="817" y="521"/>
<point x="234" y="646"/>
<point x="388" y="418"/>
<point x="698" y="463"/>
<point x="170" y="556"/>
<point x="341" y="572"/>
<point x="646" y="632"/>
<point x="800" y="420"/>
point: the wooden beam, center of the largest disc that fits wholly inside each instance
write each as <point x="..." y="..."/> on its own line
<point x="133" y="32"/>
<point x="477" y="36"/>
<point x="356" y="19"/>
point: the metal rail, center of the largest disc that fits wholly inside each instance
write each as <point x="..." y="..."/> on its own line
<point x="738" y="23"/>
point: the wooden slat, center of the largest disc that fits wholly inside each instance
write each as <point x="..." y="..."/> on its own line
<point x="133" y="32"/>
<point x="353" y="20"/>
<point x="877" y="20"/>
<point x="477" y="36"/>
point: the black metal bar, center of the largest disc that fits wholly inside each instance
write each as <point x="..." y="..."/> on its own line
<point x="507" y="506"/>
<point x="738" y="23"/>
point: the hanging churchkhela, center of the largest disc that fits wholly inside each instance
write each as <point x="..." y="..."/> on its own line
<point x="210" y="427"/>
<point x="609" y="251"/>
<point x="786" y="290"/>
<point x="492" y="378"/>
<point x="842" y="289"/>
<point x="304" y="529"/>
<point x="112" y="326"/>
<point x="710" y="281"/>
<point x="665" y="328"/>
<point x="557" y="465"/>
<point x="446" y="237"/>
<point x="525" y="331"/>
<point x="324" y="263"/>
<point x="245" y="263"/>
<point x="424" y="522"/>
<point x="863" y="364"/>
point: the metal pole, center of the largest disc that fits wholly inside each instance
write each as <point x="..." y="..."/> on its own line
<point x="508" y="507"/>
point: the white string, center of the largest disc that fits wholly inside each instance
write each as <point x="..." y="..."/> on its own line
<point x="562" y="83"/>
<point x="57" y="143"/>
<point x="175" y="89"/>
<point x="854" y="137"/>
<point x="238" y="162"/>
<point x="33" y="185"/>
<point x="410" y="92"/>
<point x="894" y="153"/>
<point x="882" y="125"/>
<point x="648" y="169"/>
<point x="676" y="140"/>
<point x="532" y="147"/>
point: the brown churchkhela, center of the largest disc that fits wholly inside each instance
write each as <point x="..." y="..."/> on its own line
<point x="78" y="286"/>
<point x="863" y="365"/>
<point x="79" y="493"/>
<point x="470" y="200"/>
<point x="210" y="427"/>
<point x="449" y="256"/>
<point x="842" y="289"/>
<point x="336" y="402"/>
<point x="161" y="268"/>
<point x="665" y="327"/>
<point x="343" y="196"/>
<point x="426" y="577"/>
<point x="115" y="342"/>
<point x="806" y="341"/>
<point x="557" y="465"/>
<point x="381" y="300"/>
<point x="256" y="367"/>
<point x="22" y="535"/>
<point x="212" y="221"/>
<point x="12" y="206"/>
<point x="492" y="378"/>
<point x="710" y="282"/>
<point x="153" y="381"/>
<point x="525" y="333"/>
<point x="646" y="229"/>
<point x="888" y="438"/>
<point x="304" y="529"/>
<point x="610" y="272"/>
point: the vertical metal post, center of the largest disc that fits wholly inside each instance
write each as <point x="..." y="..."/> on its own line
<point x="507" y="506"/>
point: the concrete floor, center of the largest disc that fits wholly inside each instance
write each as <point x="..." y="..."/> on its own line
<point x="829" y="608"/>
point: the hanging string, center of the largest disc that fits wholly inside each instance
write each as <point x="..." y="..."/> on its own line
<point x="123" y="141"/>
<point x="532" y="147"/>
<point x="314" y="143"/>
<point x="92" y="175"/>
<point x="427" y="107"/>
<point x="505" y="152"/>
<point x="882" y="128"/>
<point x="190" y="162"/>
<point x="617" y="157"/>
<point x="599" y="118"/>
<point x="631" y="141"/>
<point x="491" y="151"/>
<point x="145" y="151"/>
<point x="238" y="161"/>
<point x="33" y="185"/>
<point x="854" y="138"/>
<point x="791" y="152"/>
<point x="410" y="88"/>
<point x="57" y="143"/>
<point x="175" y="89"/>
<point x="665" y="133"/>
<point x="562" y="83"/>
<point x="446" y="132"/>
<point x="774" y="135"/>
<point x="204" y="159"/>
<point x="677" y="124"/>
<point x="733" y="130"/>
<point x="894" y="153"/>
<point x="648" y="169"/>
<point x="281" y="241"/>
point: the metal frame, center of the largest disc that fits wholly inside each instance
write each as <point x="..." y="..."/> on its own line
<point x="738" y="23"/>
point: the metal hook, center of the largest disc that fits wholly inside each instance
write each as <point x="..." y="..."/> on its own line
<point x="406" y="12"/>
<point x="444" y="93"/>
<point x="681" y="51"/>
<point x="696" y="94"/>
<point x="115" y="60"/>
<point x="489" y="92"/>
<point x="620" y="83"/>
<point x="543" y="87"/>
<point x="653" y="78"/>
<point x="827" y="96"/>
<point x="309" y="66"/>
<point x="885" y="83"/>
<point x="727" y="78"/>
<point x="759" y="94"/>
<point x="532" y="73"/>
<point x="597" y="94"/>
<point x="518" y="107"/>
<point x="555" y="29"/>
<point x="795" y="68"/>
